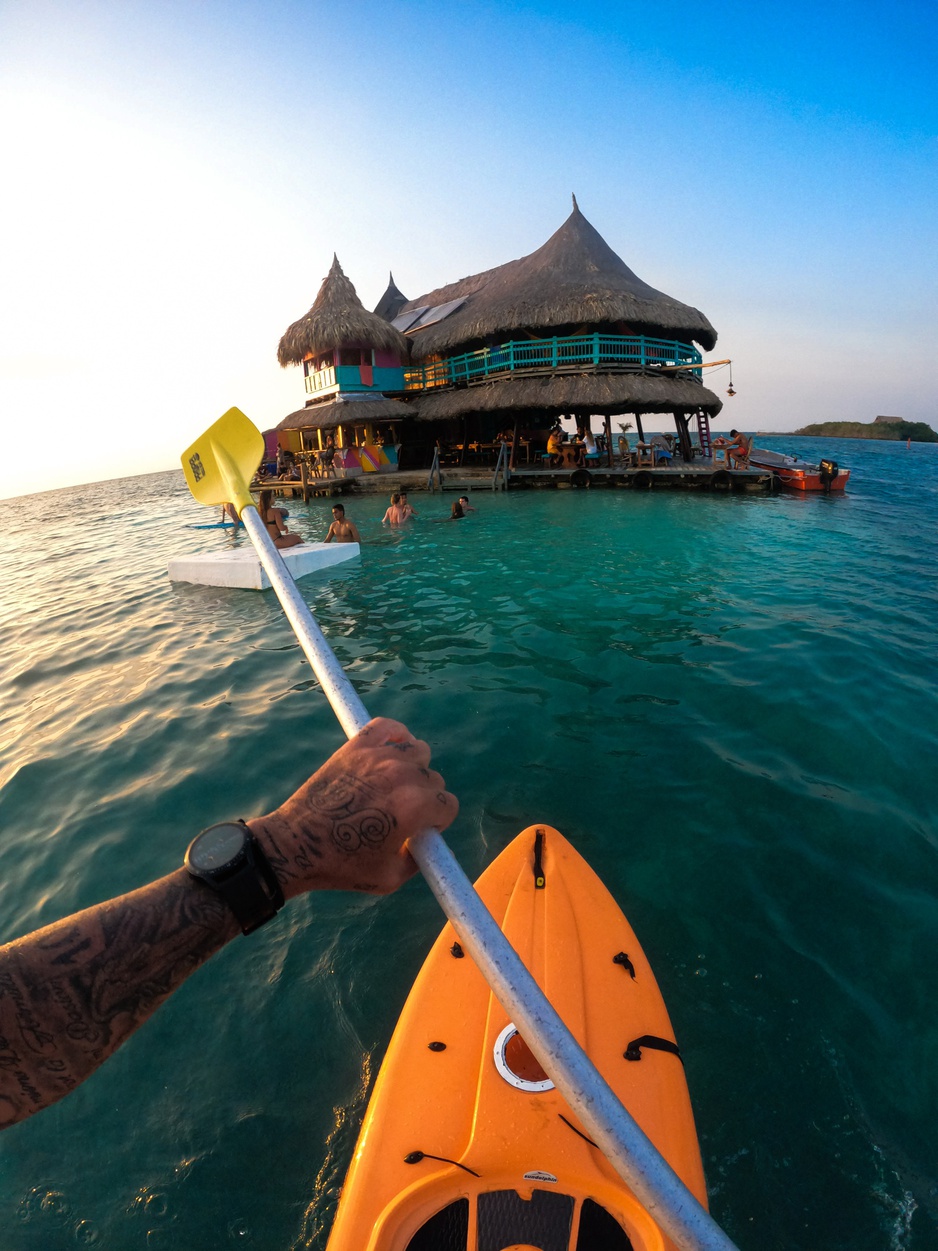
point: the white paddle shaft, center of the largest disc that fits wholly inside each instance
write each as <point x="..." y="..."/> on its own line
<point x="636" y="1159"/>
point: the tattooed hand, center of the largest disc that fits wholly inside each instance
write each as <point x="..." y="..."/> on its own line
<point x="346" y="827"/>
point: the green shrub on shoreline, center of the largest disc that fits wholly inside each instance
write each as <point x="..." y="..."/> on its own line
<point x="917" y="431"/>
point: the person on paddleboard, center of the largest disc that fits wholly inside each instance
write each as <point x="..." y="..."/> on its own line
<point x="73" y="992"/>
<point x="273" y="519"/>
<point x="342" y="530"/>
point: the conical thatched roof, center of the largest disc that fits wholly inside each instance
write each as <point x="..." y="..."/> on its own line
<point x="575" y="279"/>
<point x="391" y="302"/>
<point x="598" y="393"/>
<point x="337" y="319"/>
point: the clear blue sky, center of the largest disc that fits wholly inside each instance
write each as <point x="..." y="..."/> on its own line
<point x="177" y="177"/>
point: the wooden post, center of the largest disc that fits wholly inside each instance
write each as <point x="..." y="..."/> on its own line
<point x="514" y="441"/>
<point x="304" y="480"/>
<point x="683" y="437"/>
<point x="638" y="426"/>
<point x="608" y="426"/>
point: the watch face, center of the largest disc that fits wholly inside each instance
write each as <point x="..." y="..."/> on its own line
<point x="217" y="846"/>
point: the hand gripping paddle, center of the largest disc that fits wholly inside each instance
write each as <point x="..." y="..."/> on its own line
<point x="218" y="468"/>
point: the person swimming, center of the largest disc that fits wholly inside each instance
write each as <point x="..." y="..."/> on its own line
<point x="395" y="513"/>
<point x="342" y="530"/>
<point x="408" y="511"/>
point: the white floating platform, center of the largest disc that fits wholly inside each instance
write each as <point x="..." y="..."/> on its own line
<point x="241" y="566"/>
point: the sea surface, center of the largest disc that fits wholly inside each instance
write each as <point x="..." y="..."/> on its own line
<point x="728" y="703"/>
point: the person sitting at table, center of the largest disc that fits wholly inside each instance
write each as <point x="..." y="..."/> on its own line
<point x="591" y="451"/>
<point x="555" y="447"/>
<point x="291" y="470"/>
<point x="735" y="449"/>
<point x="577" y="447"/>
<point x="662" y="448"/>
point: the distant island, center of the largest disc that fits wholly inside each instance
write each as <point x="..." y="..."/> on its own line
<point x="881" y="428"/>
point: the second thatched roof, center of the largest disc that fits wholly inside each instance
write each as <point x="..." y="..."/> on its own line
<point x="338" y="319"/>
<point x="334" y="413"/>
<point x="575" y="279"/>
<point x="604" y="394"/>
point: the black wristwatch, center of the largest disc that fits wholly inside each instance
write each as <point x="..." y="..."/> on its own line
<point x="228" y="858"/>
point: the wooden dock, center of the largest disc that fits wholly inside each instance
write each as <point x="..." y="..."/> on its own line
<point x="699" y="476"/>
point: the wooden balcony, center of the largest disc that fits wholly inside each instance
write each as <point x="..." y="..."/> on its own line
<point x="598" y="353"/>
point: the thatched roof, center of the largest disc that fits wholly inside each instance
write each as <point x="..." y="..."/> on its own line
<point x="337" y="319"/>
<point x="599" y="393"/>
<point x="345" y="412"/>
<point x="575" y="279"/>
<point x="391" y="302"/>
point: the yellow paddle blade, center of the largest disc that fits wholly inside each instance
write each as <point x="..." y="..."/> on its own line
<point x="221" y="463"/>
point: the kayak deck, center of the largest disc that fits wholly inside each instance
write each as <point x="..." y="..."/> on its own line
<point x="466" y="1144"/>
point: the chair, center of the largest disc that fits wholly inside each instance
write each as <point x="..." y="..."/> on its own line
<point x="627" y="457"/>
<point x="740" y="459"/>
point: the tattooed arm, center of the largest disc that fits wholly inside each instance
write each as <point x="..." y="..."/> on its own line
<point x="70" y="994"/>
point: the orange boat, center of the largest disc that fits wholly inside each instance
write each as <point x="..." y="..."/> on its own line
<point x="466" y="1144"/>
<point x="801" y="475"/>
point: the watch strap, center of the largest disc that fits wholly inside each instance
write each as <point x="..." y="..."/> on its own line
<point x="253" y="892"/>
<point x="251" y="889"/>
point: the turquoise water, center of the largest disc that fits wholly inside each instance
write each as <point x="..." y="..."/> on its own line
<point x="728" y="703"/>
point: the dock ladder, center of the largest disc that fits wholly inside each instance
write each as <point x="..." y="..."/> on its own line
<point x="435" y="473"/>
<point x="502" y="466"/>
<point x="703" y="431"/>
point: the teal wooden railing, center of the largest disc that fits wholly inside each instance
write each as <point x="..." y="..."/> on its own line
<point x="589" y="351"/>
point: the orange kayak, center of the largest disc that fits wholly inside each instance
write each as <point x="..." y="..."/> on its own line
<point x="466" y="1145"/>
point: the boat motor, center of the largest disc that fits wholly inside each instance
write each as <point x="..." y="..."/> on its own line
<point x="829" y="469"/>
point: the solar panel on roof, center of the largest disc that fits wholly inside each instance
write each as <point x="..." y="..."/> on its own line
<point x="430" y="316"/>
<point x="404" y="321"/>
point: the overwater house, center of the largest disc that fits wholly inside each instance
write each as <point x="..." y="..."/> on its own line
<point x="352" y="361"/>
<point x="568" y="331"/>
